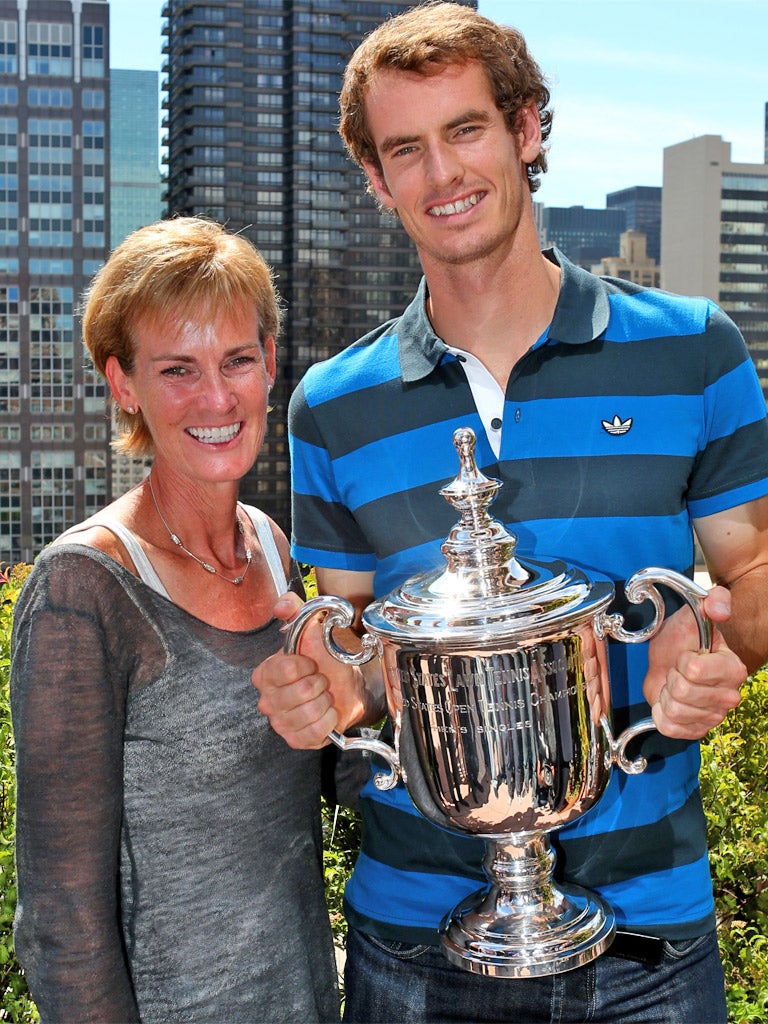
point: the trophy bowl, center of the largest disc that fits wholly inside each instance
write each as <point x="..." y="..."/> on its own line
<point x="497" y="680"/>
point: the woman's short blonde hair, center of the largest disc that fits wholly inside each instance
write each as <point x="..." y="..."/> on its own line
<point x="180" y="265"/>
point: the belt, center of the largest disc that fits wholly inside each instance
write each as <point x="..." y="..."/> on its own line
<point x="645" y="949"/>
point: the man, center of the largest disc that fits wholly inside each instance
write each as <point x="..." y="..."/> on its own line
<point x="446" y="112"/>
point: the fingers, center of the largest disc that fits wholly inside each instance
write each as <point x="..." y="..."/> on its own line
<point x="295" y="698"/>
<point x="717" y="604"/>
<point x="698" y="693"/>
<point x="691" y="692"/>
<point x="287" y="606"/>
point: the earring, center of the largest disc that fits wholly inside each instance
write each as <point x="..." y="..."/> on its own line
<point x="130" y="410"/>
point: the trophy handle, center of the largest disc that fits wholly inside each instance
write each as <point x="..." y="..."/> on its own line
<point x="339" y="612"/>
<point x="640" y="587"/>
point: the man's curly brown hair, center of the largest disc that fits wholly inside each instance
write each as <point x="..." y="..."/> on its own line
<point x="429" y="38"/>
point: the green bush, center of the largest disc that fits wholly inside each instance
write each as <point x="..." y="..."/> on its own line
<point x="341" y="841"/>
<point x="734" y="768"/>
<point x="16" y="1003"/>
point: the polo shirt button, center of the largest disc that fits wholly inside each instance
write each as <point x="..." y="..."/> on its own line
<point x="496" y="423"/>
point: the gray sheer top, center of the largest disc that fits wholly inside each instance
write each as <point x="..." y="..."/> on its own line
<point x="168" y="842"/>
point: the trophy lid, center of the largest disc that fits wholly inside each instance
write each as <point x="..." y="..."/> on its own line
<point x="484" y="593"/>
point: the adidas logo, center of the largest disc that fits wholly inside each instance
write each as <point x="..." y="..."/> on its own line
<point x="617" y="425"/>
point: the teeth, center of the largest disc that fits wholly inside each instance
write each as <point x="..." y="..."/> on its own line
<point x="458" y="207"/>
<point x="215" y="435"/>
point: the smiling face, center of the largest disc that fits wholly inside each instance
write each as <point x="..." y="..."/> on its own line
<point x="451" y="169"/>
<point x="202" y="384"/>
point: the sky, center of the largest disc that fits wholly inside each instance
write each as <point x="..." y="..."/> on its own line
<point x="627" y="77"/>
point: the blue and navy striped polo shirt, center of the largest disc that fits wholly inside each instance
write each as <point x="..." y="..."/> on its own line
<point x="637" y="412"/>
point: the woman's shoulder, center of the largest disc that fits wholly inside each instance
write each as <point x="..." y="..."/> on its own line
<point x="107" y="530"/>
<point x="261" y="521"/>
<point x="76" y="578"/>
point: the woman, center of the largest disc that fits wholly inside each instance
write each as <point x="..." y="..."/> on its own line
<point x="168" y="842"/>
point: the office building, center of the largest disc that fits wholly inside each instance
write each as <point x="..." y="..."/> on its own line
<point x="633" y="263"/>
<point x="252" y="114"/>
<point x="136" y="189"/>
<point x="714" y="236"/>
<point x="54" y="233"/>
<point x="642" y="205"/>
<point x="584" y="235"/>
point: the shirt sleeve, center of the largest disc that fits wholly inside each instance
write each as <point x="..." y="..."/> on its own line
<point x="324" y="530"/>
<point x="69" y="673"/>
<point x="732" y="465"/>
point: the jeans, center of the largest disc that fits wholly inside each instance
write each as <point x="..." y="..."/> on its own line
<point x="393" y="982"/>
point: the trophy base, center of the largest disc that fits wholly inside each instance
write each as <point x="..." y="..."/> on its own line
<point x="548" y="930"/>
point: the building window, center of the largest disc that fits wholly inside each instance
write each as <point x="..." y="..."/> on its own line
<point x="50" y="207"/>
<point x="50" y="189"/>
<point x="94" y="390"/>
<point x="9" y="51"/>
<point x="53" y="495"/>
<point x="47" y="432"/>
<point x="10" y="505"/>
<point x="49" y="50"/>
<point x="9" y="349"/>
<point x="51" y="350"/>
<point x="93" y="135"/>
<point x="93" y="99"/>
<point x="93" y="184"/>
<point x="95" y="476"/>
<point x="95" y="432"/>
<point x="42" y="97"/>
<point x="51" y="266"/>
<point x="9" y="137"/>
<point x="93" y="51"/>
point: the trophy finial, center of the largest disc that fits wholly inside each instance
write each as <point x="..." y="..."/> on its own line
<point x="479" y="551"/>
<point x="464" y="443"/>
<point x="472" y="491"/>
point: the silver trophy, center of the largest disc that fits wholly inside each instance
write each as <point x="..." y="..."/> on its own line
<point x="497" y="680"/>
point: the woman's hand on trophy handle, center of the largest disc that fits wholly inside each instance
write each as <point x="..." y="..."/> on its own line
<point x="690" y="691"/>
<point x="308" y="695"/>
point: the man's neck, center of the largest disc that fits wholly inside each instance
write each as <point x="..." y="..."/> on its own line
<point x="495" y="311"/>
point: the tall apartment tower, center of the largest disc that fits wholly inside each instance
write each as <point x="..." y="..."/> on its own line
<point x="714" y="235"/>
<point x="54" y="233"/>
<point x="252" y="115"/>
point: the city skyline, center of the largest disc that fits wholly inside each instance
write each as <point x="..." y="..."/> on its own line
<point x="627" y="78"/>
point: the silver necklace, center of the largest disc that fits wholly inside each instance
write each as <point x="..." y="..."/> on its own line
<point x="206" y="565"/>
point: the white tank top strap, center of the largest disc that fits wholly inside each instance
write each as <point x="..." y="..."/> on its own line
<point x="268" y="546"/>
<point x="144" y="567"/>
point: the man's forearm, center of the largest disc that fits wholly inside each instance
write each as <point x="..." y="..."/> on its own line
<point x="746" y="632"/>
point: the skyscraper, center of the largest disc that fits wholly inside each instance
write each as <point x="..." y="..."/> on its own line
<point x="252" y="100"/>
<point x="714" y="235"/>
<point x="642" y="204"/>
<point x="54" y="233"/>
<point x="584" y="235"/>
<point x="136" y="190"/>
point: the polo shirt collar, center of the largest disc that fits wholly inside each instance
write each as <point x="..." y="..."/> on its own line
<point x="581" y="315"/>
